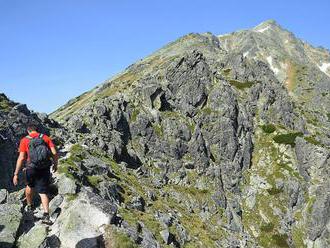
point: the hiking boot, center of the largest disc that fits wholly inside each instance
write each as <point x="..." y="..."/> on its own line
<point x="46" y="219"/>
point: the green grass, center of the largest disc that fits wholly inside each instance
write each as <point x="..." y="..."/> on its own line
<point x="298" y="236"/>
<point x="117" y="239"/>
<point x="94" y="180"/>
<point x="192" y="191"/>
<point x="310" y="204"/>
<point x="288" y="168"/>
<point x="274" y="191"/>
<point x="268" y="227"/>
<point x="241" y="85"/>
<point x="133" y="216"/>
<point x="67" y="168"/>
<point x="158" y="129"/>
<point x="134" y="115"/>
<point x="71" y="197"/>
<point x="207" y="110"/>
<point x="280" y="240"/>
<point x="268" y="128"/>
<point x="226" y="72"/>
<point x="77" y="153"/>
<point x="288" y="138"/>
<point x="313" y="141"/>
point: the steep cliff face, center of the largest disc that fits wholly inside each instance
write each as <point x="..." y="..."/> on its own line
<point x="209" y="142"/>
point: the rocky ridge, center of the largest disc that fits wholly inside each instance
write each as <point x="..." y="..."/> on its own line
<point x="212" y="141"/>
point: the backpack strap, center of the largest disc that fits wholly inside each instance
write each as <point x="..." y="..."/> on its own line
<point x="30" y="138"/>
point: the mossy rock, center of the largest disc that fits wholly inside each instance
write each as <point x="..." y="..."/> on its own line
<point x="33" y="238"/>
<point x="5" y="103"/>
<point x="288" y="138"/>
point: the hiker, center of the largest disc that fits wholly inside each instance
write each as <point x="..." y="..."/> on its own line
<point x="39" y="151"/>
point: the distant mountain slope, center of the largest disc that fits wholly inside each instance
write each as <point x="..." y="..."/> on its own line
<point x="303" y="69"/>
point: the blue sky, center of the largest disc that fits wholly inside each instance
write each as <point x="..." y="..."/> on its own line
<point x="52" y="51"/>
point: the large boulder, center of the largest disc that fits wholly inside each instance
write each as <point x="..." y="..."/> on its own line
<point x="10" y="218"/>
<point x="33" y="238"/>
<point x="66" y="185"/>
<point x="82" y="220"/>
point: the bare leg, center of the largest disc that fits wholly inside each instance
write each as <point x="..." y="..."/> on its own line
<point x="29" y="195"/>
<point x="45" y="202"/>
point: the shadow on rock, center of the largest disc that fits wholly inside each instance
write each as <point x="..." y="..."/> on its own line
<point x="96" y="242"/>
<point x="4" y="244"/>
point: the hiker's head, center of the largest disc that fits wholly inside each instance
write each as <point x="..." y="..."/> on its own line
<point x="31" y="128"/>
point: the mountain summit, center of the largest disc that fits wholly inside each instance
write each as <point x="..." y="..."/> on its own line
<point x="211" y="141"/>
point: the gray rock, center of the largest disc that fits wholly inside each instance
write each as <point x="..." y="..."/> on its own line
<point x="110" y="191"/>
<point x="3" y="195"/>
<point x="51" y="242"/>
<point x="188" y="79"/>
<point x="320" y="215"/>
<point x="165" y="219"/>
<point x="95" y="166"/>
<point x="149" y="239"/>
<point x="151" y="195"/>
<point x="55" y="203"/>
<point x="10" y="218"/>
<point x="66" y="185"/>
<point x="137" y="203"/>
<point x="33" y="238"/>
<point x="71" y="226"/>
<point x="167" y="236"/>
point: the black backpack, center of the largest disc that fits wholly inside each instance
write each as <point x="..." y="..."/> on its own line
<point x="39" y="153"/>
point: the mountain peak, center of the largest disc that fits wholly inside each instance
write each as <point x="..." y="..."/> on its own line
<point x="270" y="22"/>
<point x="267" y="25"/>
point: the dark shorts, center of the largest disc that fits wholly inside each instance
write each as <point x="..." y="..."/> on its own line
<point x="38" y="179"/>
